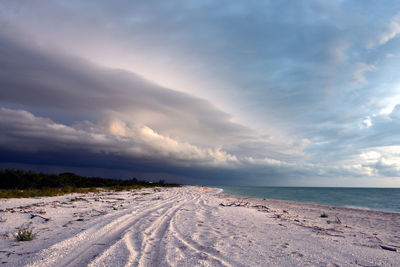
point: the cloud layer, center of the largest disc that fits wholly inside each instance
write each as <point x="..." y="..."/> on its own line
<point x="255" y="92"/>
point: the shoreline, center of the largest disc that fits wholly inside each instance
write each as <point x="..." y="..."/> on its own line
<point x="221" y="191"/>
<point x="191" y="226"/>
<point x="290" y="202"/>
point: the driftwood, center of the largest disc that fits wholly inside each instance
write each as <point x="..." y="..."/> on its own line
<point x="235" y="204"/>
<point x="99" y="212"/>
<point x="260" y="207"/>
<point x="337" y="221"/>
<point x="388" y="248"/>
<point x="36" y="215"/>
<point x="363" y="265"/>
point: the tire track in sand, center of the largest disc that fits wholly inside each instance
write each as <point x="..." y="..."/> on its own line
<point x="133" y="241"/>
<point x="153" y="236"/>
<point x="85" y="246"/>
<point x="195" y="246"/>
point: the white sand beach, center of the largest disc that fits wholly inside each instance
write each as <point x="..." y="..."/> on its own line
<point x="190" y="226"/>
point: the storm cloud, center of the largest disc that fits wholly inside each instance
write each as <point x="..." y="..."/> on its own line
<point x="251" y="92"/>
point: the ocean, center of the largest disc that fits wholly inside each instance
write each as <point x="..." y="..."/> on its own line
<point x="383" y="199"/>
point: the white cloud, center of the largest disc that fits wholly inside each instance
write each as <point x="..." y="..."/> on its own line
<point x="366" y="123"/>
<point x="117" y="127"/>
<point x="390" y="103"/>
<point x="383" y="161"/>
<point x="26" y="131"/>
<point x="370" y="156"/>
<point x="183" y="151"/>
<point x="360" y="70"/>
<point x="40" y="134"/>
<point x="392" y="31"/>
<point x="360" y="169"/>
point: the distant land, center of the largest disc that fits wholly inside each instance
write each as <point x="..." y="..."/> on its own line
<point x="20" y="183"/>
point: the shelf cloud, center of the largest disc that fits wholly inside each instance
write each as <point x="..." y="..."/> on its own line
<point x="251" y="92"/>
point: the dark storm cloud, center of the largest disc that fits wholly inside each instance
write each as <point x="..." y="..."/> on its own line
<point x="277" y="59"/>
<point x="317" y="79"/>
<point x="26" y="139"/>
<point x="48" y="81"/>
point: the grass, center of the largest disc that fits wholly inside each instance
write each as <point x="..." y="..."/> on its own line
<point x="49" y="192"/>
<point x="20" y="193"/>
<point x="24" y="234"/>
<point x="324" y="215"/>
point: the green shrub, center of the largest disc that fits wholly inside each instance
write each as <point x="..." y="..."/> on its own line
<point x="20" y="183"/>
<point x="24" y="234"/>
<point x="324" y="215"/>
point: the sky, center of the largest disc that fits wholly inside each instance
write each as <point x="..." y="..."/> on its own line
<point x="254" y="92"/>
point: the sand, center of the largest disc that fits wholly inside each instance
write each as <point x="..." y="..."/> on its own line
<point x="190" y="226"/>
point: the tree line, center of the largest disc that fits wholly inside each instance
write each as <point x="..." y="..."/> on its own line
<point x="21" y="179"/>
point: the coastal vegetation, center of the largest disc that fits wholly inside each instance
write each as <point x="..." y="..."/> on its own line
<point x="24" y="234"/>
<point x="20" y="183"/>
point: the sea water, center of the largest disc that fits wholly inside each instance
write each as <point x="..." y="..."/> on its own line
<point x="384" y="199"/>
